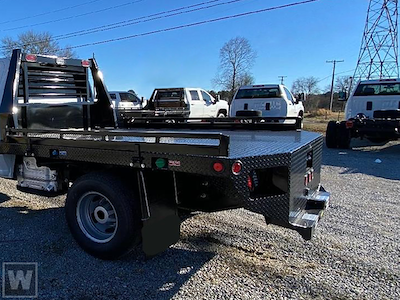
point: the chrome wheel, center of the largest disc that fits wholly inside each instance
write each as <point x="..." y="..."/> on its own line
<point x="97" y="217"/>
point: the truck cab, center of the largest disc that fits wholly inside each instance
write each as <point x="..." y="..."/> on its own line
<point x="125" y="100"/>
<point x="374" y="96"/>
<point x="266" y="100"/>
<point x="187" y="102"/>
<point x="372" y="112"/>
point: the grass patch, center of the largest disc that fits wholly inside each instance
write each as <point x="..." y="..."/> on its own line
<point x="318" y="120"/>
<point x="315" y="127"/>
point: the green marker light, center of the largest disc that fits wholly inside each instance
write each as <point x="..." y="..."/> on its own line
<point x="161" y="163"/>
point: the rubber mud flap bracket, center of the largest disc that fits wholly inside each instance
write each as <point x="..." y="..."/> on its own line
<point x="161" y="230"/>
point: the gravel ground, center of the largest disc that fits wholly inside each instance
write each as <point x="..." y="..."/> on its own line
<point x="355" y="253"/>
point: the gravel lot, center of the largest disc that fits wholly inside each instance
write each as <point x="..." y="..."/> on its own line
<point x="232" y="255"/>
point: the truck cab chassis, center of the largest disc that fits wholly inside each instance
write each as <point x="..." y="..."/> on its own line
<point x="126" y="187"/>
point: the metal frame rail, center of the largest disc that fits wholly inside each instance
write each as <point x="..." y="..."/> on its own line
<point x="245" y="123"/>
<point x="210" y="144"/>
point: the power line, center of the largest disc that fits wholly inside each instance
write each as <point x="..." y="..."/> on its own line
<point x="194" y="24"/>
<point x="329" y="76"/>
<point x="75" y="16"/>
<point x="186" y="25"/>
<point x="83" y="32"/>
<point x="151" y="19"/>
<point x="50" y="12"/>
<point x="132" y="21"/>
<point x="345" y="72"/>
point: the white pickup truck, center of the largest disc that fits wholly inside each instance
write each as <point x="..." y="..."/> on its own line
<point x="125" y="100"/>
<point x="186" y="102"/>
<point x="267" y="100"/>
<point x="372" y="112"/>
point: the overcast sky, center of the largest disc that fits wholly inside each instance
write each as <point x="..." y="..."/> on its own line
<point x="293" y="42"/>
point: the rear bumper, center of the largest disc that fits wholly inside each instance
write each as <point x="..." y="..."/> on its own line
<point x="305" y="221"/>
<point x="378" y="128"/>
<point x="287" y="189"/>
<point x="183" y="113"/>
<point x="134" y="113"/>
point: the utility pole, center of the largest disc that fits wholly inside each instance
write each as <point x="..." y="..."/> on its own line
<point x="282" y="78"/>
<point x="333" y="79"/>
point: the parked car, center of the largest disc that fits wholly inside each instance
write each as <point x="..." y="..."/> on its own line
<point x="267" y="100"/>
<point x="187" y="102"/>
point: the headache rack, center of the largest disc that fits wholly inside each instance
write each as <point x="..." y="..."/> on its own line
<point x="49" y="79"/>
<point x="49" y="92"/>
<point x="167" y="99"/>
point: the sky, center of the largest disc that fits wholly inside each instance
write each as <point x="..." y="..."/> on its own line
<point x="295" y="41"/>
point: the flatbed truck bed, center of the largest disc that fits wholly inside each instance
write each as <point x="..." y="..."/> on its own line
<point x="127" y="186"/>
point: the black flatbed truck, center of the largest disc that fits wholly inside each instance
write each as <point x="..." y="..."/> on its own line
<point x="127" y="186"/>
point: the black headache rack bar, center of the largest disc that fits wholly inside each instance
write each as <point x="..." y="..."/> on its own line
<point x="248" y="123"/>
<point x="213" y="144"/>
<point x="53" y="92"/>
<point x="46" y="77"/>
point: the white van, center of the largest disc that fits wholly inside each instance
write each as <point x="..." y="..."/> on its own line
<point x="266" y="100"/>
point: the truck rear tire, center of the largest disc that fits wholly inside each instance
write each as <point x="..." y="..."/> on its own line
<point x="332" y="134"/>
<point x="344" y="136"/>
<point x="103" y="215"/>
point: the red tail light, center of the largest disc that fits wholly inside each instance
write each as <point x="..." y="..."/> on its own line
<point x="85" y="63"/>
<point x="309" y="177"/>
<point x="349" y="124"/>
<point x="250" y="184"/>
<point x="31" y="58"/>
<point x="236" y="168"/>
<point x="218" y="167"/>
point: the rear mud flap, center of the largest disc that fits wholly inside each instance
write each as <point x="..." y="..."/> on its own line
<point x="161" y="230"/>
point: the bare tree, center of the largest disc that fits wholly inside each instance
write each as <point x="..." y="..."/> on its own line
<point x="245" y="79"/>
<point x="327" y="89"/>
<point x="236" y="59"/>
<point x="35" y="42"/>
<point x="342" y="83"/>
<point x="306" y="85"/>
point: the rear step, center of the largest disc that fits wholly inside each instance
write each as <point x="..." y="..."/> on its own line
<point x="307" y="220"/>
